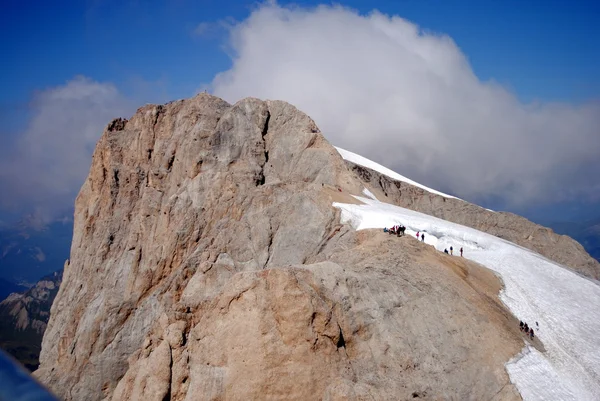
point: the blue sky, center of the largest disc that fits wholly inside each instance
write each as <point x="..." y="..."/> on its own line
<point x="153" y="51"/>
<point x="541" y="49"/>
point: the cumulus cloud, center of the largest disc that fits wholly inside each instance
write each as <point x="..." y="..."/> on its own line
<point x="42" y="170"/>
<point x="407" y="98"/>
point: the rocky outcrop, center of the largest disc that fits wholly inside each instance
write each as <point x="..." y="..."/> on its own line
<point x="23" y="319"/>
<point x="208" y="263"/>
<point x="509" y="226"/>
<point x="379" y="318"/>
<point x="190" y="192"/>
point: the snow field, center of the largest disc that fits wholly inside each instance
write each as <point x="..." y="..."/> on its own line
<point x="566" y="305"/>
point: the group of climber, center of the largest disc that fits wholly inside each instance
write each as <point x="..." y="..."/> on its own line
<point x="397" y="229"/>
<point x="452" y="251"/>
<point x="526" y="329"/>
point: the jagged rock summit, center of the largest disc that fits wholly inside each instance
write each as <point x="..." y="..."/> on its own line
<point x="208" y="263"/>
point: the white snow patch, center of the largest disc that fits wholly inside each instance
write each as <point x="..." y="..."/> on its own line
<point x="369" y="194"/>
<point x="356" y="159"/>
<point x="566" y="305"/>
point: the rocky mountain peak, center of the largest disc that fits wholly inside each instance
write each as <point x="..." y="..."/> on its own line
<point x="178" y="200"/>
<point x="209" y="263"/>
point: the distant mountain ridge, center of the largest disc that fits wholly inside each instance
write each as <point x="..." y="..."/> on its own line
<point x="30" y="250"/>
<point x="8" y="287"/>
<point x="23" y="319"/>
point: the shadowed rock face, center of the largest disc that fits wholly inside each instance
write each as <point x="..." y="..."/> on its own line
<point x="208" y="263"/>
<point x="517" y="229"/>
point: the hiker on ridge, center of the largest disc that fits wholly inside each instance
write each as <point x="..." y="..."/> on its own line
<point x="451" y="250"/>
<point x="423" y="237"/>
<point x="461" y="251"/>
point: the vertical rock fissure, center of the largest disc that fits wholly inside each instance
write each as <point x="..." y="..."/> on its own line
<point x="168" y="395"/>
<point x="383" y="185"/>
<point x="159" y="109"/>
<point x="261" y="176"/>
<point x="341" y="341"/>
<point x="271" y="235"/>
<point x="116" y="178"/>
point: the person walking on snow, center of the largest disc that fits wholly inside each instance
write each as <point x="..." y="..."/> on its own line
<point x="423" y="237"/>
<point x="417" y="235"/>
<point x="451" y="250"/>
<point x="461" y="251"/>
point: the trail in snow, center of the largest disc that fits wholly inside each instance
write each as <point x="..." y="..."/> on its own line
<point x="566" y="305"/>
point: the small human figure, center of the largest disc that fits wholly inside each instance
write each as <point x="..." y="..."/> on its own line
<point x="531" y="333"/>
<point x="536" y="323"/>
<point x="423" y="237"/>
<point x="418" y="232"/>
<point x="451" y="250"/>
<point x="461" y="251"/>
<point x="445" y="251"/>
<point x="521" y="325"/>
<point x="400" y="231"/>
<point x="526" y="328"/>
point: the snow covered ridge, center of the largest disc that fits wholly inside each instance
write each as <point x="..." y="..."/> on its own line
<point x="566" y="305"/>
<point x="362" y="161"/>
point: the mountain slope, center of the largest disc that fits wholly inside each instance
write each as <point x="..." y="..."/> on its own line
<point x="517" y="229"/>
<point x="209" y="262"/>
<point x="563" y="305"/>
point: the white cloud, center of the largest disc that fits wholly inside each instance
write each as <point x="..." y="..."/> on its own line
<point x="381" y="87"/>
<point x="42" y="171"/>
<point x="201" y="29"/>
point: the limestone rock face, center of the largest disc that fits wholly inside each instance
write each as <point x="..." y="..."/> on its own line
<point x="509" y="226"/>
<point x="209" y="264"/>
